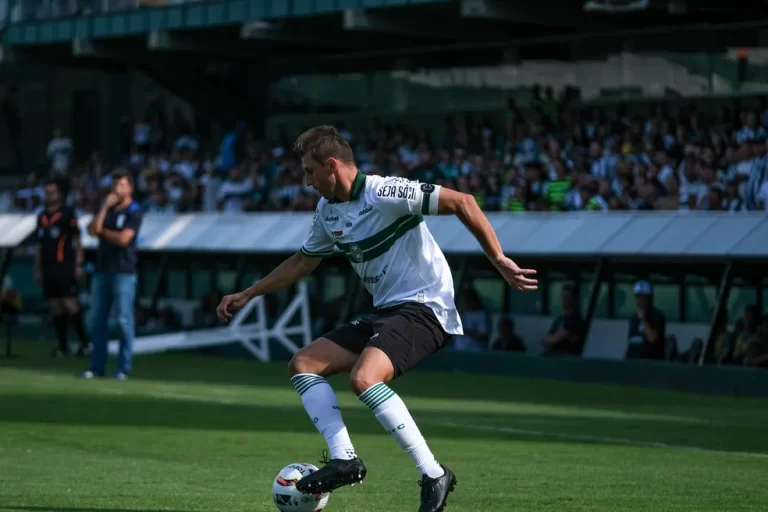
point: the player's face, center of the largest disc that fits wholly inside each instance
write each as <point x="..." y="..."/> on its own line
<point x="52" y="195"/>
<point x="123" y="188"/>
<point x="319" y="176"/>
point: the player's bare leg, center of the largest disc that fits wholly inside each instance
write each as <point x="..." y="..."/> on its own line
<point x="308" y="369"/>
<point x="75" y="316"/>
<point x="368" y="379"/>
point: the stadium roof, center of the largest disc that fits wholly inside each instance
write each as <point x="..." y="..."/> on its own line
<point x="354" y="35"/>
<point x="616" y="235"/>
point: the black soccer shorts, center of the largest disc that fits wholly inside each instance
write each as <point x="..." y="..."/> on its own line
<point x="60" y="284"/>
<point x="406" y="333"/>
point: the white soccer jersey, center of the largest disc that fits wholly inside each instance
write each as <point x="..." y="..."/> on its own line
<point x="382" y="232"/>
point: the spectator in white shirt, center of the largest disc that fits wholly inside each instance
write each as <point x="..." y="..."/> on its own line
<point x="235" y="191"/>
<point x="59" y="151"/>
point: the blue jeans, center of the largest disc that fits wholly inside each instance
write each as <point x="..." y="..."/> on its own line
<point x="108" y="289"/>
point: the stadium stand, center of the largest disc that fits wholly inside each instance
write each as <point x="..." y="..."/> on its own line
<point x="545" y="158"/>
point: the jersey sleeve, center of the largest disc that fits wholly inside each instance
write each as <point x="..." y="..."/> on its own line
<point x="404" y="197"/>
<point x="318" y="243"/>
<point x="134" y="218"/>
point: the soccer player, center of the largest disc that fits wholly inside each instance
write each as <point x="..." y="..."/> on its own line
<point x="59" y="266"/>
<point x="377" y="223"/>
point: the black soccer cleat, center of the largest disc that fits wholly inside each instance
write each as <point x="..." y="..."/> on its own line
<point x="434" y="491"/>
<point x="334" y="474"/>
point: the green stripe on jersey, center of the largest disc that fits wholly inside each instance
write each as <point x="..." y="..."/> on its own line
<point x="376" y="395"/>
<point x="315" y="254"/>
<point x="379" y="243"/>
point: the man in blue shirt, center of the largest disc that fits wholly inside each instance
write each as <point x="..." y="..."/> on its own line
<point x="116" y="225"/>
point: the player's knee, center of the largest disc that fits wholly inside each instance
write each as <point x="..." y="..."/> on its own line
<point x="301" y="362"/>
<point x="361" y="380"/>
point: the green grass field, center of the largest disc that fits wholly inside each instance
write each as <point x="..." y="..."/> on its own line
<point x="199" y="434"/>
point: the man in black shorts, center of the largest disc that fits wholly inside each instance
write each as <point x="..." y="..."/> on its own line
<point x="59" y="265"/>
<point x="377" y="223"/>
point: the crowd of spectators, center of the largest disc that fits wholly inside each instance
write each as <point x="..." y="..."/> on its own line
<point x="546" y="156"/>
<point x="746" y="344"/>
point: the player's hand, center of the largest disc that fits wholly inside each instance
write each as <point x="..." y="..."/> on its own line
<point x="229" y="304"/>
<point x="515" y="276"/>
<point x="111" y="200"/>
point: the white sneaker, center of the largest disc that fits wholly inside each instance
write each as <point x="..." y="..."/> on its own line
<point x="121" y="376"/>
<point x="88" y="374"/>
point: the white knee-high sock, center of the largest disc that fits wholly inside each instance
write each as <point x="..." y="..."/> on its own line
<point x="397" y="421"/>
<point x="321" y="404"/>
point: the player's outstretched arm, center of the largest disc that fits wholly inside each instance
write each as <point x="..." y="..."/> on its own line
<point x="464" y="206"/>
<point x="286" y="274"/>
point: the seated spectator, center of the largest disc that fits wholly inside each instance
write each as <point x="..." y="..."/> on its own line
<point x="647" y="327"/>
<point x="757" y="353"/>
<point x="718" y="350"/>
<point x="743" y="336"/>
<point x="508" y="340"/>
<point x="567" y="333"/>
<point x="476" y="323"/>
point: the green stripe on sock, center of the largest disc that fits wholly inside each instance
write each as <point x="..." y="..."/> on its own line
<point x="376" y="395"/>
<point x="303" y="383"/>
<point x="370" y="391"/>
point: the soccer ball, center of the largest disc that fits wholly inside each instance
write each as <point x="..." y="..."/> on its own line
<point x="287" y="496"/>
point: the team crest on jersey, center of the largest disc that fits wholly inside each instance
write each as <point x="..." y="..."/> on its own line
<point x="120" y="221"/>
<point x="356" y="252"/>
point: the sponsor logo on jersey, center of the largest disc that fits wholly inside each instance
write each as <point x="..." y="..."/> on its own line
<point x="332" y="219"/>
<point x="376" y="279"/>
<point x="399" y="192"/>
<point x="337" y="234"/>
<point x="348" y="224"/>
<point x="367" y="209"/>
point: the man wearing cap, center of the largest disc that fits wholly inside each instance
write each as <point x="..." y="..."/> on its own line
<point x="647" y="327"/>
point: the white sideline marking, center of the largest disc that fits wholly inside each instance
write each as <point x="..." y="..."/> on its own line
<point x="480" y="428"/>
<point x="599" y="439"/>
